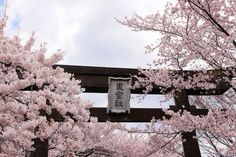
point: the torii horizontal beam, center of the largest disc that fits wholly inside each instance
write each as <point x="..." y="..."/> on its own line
<point x="136" y="115"/>
<point x="95" y="79"/>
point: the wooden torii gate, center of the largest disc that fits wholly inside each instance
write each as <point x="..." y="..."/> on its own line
<point x="95" y="80"/>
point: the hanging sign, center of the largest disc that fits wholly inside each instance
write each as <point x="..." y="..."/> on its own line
<point x="118" y="95"/>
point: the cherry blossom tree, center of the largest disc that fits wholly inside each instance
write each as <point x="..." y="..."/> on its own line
<point x="27" y="114"/>
<point x="194" y="35"/>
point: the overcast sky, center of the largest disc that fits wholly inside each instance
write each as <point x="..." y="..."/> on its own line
<point x="85" y="29"/>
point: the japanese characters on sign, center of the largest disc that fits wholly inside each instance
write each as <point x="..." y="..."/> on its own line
<point x="119" y="95"/>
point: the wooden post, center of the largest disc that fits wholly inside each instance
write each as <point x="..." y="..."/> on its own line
<point x="189" y="141"/>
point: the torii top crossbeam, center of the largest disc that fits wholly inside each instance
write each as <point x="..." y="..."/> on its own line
<point x="94" y="80"/>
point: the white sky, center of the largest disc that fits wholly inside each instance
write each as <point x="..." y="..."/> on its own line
<point x="87" y="31"/>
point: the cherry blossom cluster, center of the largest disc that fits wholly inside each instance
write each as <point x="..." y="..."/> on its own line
<point x="196" y="49"/>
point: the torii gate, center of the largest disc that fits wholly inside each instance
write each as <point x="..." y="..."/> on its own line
<point x="95" y="80"/>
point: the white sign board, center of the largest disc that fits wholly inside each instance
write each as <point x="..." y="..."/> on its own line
<point x="118" y="95"/>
